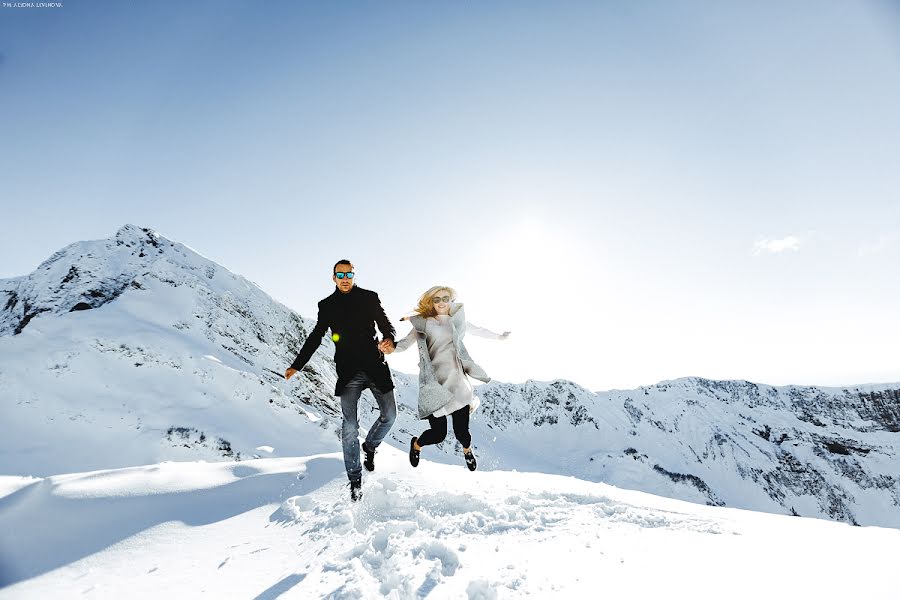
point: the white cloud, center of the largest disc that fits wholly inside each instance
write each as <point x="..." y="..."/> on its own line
<point x="790" y="242"/>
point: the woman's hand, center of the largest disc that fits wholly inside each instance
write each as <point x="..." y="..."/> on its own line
<point x="290" y="373"/>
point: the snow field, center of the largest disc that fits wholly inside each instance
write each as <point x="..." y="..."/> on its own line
<point x="285" y="528"/>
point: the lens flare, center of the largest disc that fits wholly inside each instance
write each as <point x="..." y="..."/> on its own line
<point x="335" y="337"/>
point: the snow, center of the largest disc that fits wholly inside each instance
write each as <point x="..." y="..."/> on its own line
<point x="285" y="527"/>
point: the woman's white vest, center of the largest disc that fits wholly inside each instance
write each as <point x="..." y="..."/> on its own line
<point x="432" y="395"/>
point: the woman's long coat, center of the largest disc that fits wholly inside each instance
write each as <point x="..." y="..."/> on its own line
<point x="432" y="395"/>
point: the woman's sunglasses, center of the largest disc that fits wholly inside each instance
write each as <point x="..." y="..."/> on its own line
<point x="439" y="299"/>
<point x="348" y="275"/>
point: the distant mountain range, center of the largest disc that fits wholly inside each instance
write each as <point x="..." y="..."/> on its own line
<point x="136" y="350"/>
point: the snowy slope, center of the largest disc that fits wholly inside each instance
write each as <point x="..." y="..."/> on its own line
<point x="136" y="350"/>
<point x="285" y="528"/>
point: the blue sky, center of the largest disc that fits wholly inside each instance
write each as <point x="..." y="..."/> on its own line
<point x="639" y="191"/>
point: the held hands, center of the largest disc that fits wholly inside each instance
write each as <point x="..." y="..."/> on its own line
<point x="290" y="373"/>
<point x="386" y="346"/>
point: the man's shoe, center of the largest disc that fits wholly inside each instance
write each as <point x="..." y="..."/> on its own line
<point x="413" y="453"/>
<point x="369" y="462"/>
<point x="470" y="460"/>
<point x="356" y="490"/>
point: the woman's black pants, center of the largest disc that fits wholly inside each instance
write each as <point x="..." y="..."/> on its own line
<point x="438" y="430"/>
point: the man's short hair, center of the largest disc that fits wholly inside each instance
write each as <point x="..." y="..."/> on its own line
<point x="343" y="261"/>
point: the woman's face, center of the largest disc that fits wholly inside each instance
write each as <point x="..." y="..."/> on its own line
<point x="441" y="301"/>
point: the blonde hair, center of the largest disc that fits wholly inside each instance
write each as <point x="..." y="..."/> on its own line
<point x="425" y="307"/>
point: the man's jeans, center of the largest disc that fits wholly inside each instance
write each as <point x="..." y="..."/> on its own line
<point x="350" y="431"/>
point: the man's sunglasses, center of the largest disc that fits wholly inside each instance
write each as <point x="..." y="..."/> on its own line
<point x="439" y="299"/>
<point x="348" y="275"/>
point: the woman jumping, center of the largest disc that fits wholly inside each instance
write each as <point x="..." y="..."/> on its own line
<point x="439" y="326"/>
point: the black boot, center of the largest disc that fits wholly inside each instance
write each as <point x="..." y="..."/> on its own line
<point x="356" y="490"/>
<point x="470" y="460"/>
<point x="369" y="462"/>
<point x="413" y="453"/>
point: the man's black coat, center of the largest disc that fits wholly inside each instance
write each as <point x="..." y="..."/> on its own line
<point x="352" y="318"/>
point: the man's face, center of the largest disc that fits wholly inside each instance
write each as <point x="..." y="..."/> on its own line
<point x="344" y="282"/>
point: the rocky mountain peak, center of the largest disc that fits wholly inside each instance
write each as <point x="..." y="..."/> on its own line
<point x="132" y="236"/>
<point x="86" y="275"/>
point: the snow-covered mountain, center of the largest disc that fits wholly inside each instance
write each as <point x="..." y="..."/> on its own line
<point x="136" y="350"/>
<point x="809" y="451"/>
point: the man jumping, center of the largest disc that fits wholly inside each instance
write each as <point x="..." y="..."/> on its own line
<point x="351" y="313"/>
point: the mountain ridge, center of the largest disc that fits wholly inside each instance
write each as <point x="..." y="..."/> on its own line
<point x="173" y="357"/>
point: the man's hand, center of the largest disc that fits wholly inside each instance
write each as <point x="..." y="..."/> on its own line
<point x="290" y="373"/>
<point x="386" y="346"/>
<point x="505" y="335"/>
